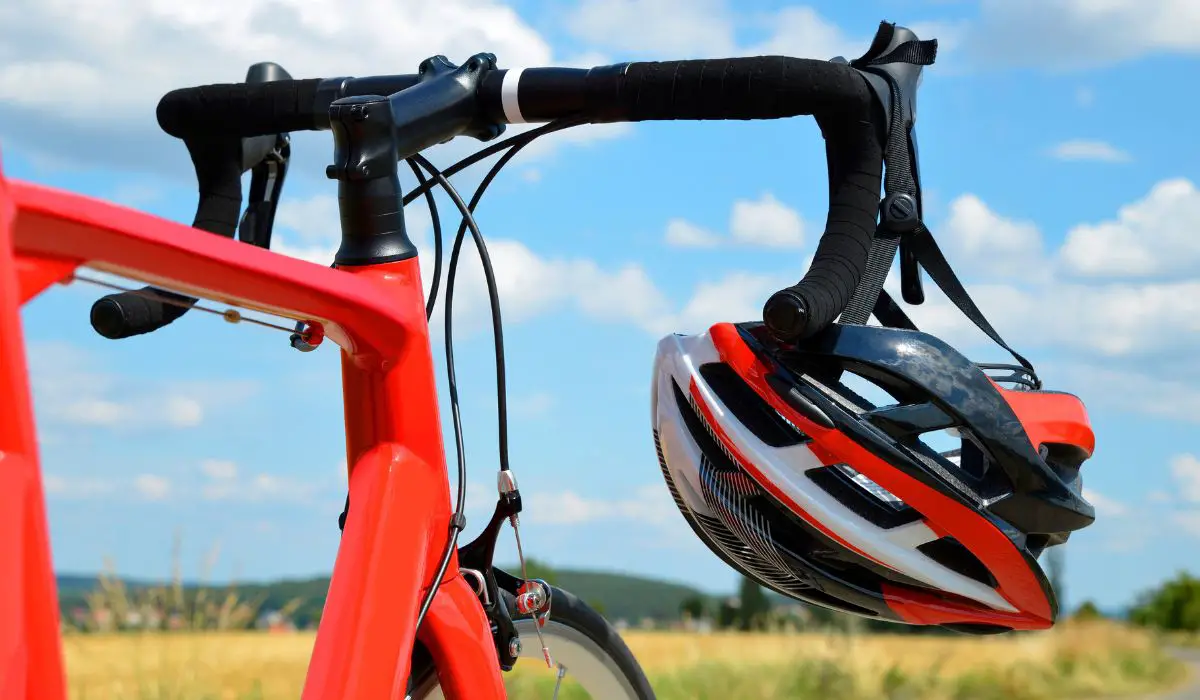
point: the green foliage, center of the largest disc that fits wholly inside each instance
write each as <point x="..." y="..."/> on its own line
<point x="694" y="607"/>
<point x="1056" y="571"/>
<point x="727" y="614"/>
<point x="536" y="568"/>
<point x="618" y="596"/>
<point x="109" y="603"/>
<point x="1088" y="611"/>
<point x="630" y="598"/>
<point x="753" y="607"/>
<point x="1174" y="606"/>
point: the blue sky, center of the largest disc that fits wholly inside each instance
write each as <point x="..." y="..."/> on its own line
<point x="1060" y="166"/>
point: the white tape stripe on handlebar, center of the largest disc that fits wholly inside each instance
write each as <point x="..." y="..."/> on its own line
<point x="508" y="96"/>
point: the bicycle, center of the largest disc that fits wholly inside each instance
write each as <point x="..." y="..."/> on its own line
<point x="409" y="612"/>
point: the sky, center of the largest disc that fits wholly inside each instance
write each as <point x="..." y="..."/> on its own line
<point x="1060" y="164"/>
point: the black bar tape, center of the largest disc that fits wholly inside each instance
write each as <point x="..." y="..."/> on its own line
<point x="854" y="157"/>
<point x="763" y="87"/>
<point x="126" y="314"/>
<point x="242" y="110"/>
<point x="773" y="87"/>
<point x="218" y="164"/>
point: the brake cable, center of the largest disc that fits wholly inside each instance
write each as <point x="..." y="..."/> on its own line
<point x="458" y="520"/>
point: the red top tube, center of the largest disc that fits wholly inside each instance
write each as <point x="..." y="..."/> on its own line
<point x="399" y="525"/>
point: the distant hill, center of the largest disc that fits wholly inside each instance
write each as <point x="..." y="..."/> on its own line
<point x="626" y="596"/>
<point x="617" y="595"/>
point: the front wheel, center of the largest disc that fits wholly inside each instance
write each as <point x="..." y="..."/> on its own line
<point x="587" y="651"/>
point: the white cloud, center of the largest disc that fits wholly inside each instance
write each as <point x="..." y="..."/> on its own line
<point x="147" y="487"/>
<point x="527" y="283"/>
<point x="1097" y="320"/>
<point x="530" y="284"/>
<point x="676" y="28"/>
<point x="547" y="146"/>
<point x="1105" y="506"/>
<point x="225" y="485"/>
<point x="69" y="388"/>
<point x="679" y="29"/>
<point x="1188" y="521"/>
<point x="1082" y="149"/>
<point x="684" y="234"/>
<point x="1080" y="34"/>
<point x="135" y="195"/>
<point x="534" y="405"/>
<point x="183" y="412"/>
<point x="280" y="488"/>
<point x="226" y="481"/>
<point x="1129" y="391"/>
<point x="1085" y="96"/>
<point x="480" y="499"/>
<point x="1185" y="470"/>
<point x="736" y="297"/>
<point x="801" y="31"/>
<point x="650" y="504"/>
<point x="980" y="242"/>
<point x="1152" y="236"/>
<point x="76" y="487"/>
<point x="92" y="411"/>
<point x="1039" y="305"/>
<point x="85" y="50"/>
<point x="126" y="54"/>
<point x="219" y="469"/>
<point x="764" y="222"/>
<point x="152" y="487"/>
<point x="313" y="219"/>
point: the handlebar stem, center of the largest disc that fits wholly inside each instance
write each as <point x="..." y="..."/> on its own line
<point x="373" y="133"/>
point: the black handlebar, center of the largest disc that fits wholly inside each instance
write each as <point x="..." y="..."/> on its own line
<point x="220" y="161"/>
<point x="851" y="106"/>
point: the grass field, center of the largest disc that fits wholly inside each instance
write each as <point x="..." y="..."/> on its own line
<point x="1084" y="661"/>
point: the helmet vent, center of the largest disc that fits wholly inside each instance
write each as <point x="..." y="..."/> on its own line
<point x="871" y="487"/>
<point x="839" y="481"/>
<point x="726" y="494"/>
<point x="735" y="527"/>
<point x="725" y="487"/>
<point x="716" y="535"/>
<point x="969" y="470"/>
<point x="837" y="391"/>
<point x="749" y="408"/>
<point x="951" y="554"/>
<point x="1065" y="460"/>
<point x="662" y="464"/>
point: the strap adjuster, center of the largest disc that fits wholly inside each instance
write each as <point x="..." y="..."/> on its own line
<point x="899" y="213"/>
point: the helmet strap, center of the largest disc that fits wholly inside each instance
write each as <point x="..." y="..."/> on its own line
<point x="900" y="219"/>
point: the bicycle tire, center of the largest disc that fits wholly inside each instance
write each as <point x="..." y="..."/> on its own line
<point x="600" y="661"/>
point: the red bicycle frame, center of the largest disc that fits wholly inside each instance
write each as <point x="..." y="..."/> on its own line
<point x="399" y="526"/>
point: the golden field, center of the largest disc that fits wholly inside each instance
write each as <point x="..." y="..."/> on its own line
<point x="1089" y="660"/>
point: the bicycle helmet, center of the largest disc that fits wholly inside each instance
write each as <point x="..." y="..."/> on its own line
<point x="806" y="487"/>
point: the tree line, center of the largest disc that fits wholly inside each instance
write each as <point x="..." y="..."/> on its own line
<point x="1173" y="606"/>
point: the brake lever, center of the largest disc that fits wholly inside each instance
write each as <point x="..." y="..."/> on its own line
<point x="266" y="184"/>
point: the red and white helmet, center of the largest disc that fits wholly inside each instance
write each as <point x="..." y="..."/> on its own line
<point x="806" y="487"/>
